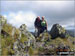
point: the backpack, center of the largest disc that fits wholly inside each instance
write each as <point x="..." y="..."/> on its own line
<point x="43" y="23"/>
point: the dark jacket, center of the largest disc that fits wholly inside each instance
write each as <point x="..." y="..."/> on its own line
<point x="37" y="23"/>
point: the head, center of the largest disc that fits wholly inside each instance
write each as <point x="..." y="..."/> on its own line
<point x="38" y="18"/>
<point x="42" y="17"/>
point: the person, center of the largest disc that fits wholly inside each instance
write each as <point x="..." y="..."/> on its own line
<point x="43" y="24"/>
<point x="37" y="25"/>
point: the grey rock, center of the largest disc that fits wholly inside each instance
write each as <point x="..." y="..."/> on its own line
<point x="15" y="46"/>
<point x="57" y="31"/>
<point x="21" y="48"/>
<point x="31" y="38"/>
<point x="13" y="32"/>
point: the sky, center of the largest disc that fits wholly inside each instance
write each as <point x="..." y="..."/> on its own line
<point x="25" y="12"/>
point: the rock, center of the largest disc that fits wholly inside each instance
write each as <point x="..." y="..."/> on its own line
<point x="45" y="36"/>
<point x="40" y="44"/>
<point x="23" y="27"/>
<point x="46" y="51"/>
<point x="24" y="42"/>
<point x="57" y="31"/>
<point x="29" y="36"/>
<point x="24" y="31"/>
<point x="13" y="32"/>
<point x="2" y="22"/>
<point x="15" y="46"/>
<point x="73" y="42"/>
<point x="19" y="48"/>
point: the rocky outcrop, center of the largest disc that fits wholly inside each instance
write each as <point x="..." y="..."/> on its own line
<point x="24" y="31"/>
<point x="25" y="40"/>
<point x="21" y="42"/>
<point x="57" y="31"/>
<point x="2" y="22"/>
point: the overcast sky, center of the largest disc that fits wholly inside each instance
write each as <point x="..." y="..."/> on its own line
<point x="25" y="12"/>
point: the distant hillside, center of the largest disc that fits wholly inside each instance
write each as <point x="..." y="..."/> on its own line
<point x="71" y="32"/>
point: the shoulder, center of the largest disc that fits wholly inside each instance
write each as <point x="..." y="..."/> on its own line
<point x="45" y="20"/>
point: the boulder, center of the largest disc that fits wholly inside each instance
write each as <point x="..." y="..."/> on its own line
<point x="57" y="31"/>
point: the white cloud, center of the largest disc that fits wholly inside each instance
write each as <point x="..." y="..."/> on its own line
<point x="16" y="19"/>
<point x="61" y="12"/>
<point x="5" y="16"/>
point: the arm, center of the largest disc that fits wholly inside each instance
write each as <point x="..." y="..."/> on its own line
<point x="46" y="25"/>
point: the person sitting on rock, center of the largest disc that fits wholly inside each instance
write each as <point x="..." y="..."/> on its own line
<point x="37" y="25"/>
<point x="43" y="24"/>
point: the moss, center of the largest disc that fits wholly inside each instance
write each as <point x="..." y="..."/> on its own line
<point x="9" y="41"/>
<point x="56" y="41"/>
<point x="46" y="35"/>
<point x="11" y="52"/>
<point x="35" y="52"/>
<point x="23" y="38"/>
<point x="41" y="49"/>
<point x="63" y="30"/>
<point x="8" y="28"/>
<point x="5" y="52"/>
<point x="3" y="44"/>
<point x="31" y="51"/>
<point x="1" y="36"/>
<point x="6" y="42"/>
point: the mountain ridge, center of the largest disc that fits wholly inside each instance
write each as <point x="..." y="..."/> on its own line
<point x="22" y="42"/>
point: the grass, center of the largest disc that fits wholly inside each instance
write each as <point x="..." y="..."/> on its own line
<point x="8" y="28"/>
<point x="23" y="38"/>
<point x="5" y="52"/>
<point x="31" y="51"/>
